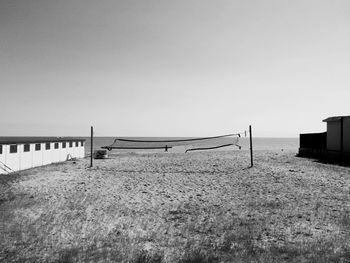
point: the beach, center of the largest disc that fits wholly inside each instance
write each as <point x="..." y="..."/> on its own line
<point x="175" y="207"/>
<point x="200" y="115"/>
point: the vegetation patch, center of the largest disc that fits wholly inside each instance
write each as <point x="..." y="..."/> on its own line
<point x="168" y="208"/>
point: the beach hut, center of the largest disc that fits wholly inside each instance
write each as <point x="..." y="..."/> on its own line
<point x="338" y="136"/>
<point x="313" y="144"/>
<point x="19" y="153"/>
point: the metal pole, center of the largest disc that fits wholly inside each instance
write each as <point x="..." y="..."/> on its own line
<point x="251" y="145"/>
<point x="92" y="145"/>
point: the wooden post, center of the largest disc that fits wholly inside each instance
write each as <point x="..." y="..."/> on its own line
<point x="92" y="145"/>
<point x="251" y="145"/>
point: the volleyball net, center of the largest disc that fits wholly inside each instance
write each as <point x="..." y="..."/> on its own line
<point x="188" y="144"/>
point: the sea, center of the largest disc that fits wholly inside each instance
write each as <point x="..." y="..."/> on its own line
<point x="259" y="143"/>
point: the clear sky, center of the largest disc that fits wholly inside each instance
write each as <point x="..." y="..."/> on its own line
<point x="173" y="68"/>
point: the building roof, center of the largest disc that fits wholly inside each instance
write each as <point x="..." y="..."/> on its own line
<point x="20" y="139"/>
<point x="335" y="118"/>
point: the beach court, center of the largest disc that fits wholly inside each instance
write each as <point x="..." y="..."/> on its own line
<point x="173" y="207"/>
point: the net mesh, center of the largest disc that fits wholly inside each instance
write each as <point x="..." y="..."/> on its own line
<point x="189" y="144"/>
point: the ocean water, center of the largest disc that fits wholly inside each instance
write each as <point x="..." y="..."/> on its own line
<point x="259" y="144"/>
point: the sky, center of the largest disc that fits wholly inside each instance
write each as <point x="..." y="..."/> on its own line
<point x="172" y="68"/>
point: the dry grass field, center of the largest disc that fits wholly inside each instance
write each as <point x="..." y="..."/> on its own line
<point x="175" y="207"/>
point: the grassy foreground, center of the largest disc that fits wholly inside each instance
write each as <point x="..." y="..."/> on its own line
<point x="168" y="207"/>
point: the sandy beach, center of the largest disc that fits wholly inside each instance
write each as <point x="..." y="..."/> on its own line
<point x="176" y="207"/>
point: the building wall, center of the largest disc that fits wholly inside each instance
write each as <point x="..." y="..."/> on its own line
<point x="47" y="154"/>
<point x="26" y="158"/>
<point x="63" y="152"/>
<point x="38" y="156"/>
<point x="333" y="136"/>
<point x="56" y="152"/>
<point x="23" y="160"/>
<point x="346" y="134"/>
<point x="12" y="159"/>
<point x="81" y="153"/>
<point x="79" y="150"/>
<point x="70" y="149"/>
<point x="2" y="158"/>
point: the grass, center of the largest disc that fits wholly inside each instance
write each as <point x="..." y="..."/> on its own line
<point x="237" y="247"/>
<point x="242" y="216"/>
<point x="240" y="242"/>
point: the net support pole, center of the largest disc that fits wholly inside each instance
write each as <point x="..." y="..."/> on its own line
<point x="251" y="145"/>
<point x="92" y="145"/>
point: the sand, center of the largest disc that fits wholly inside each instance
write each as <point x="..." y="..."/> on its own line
<point x="164" y="206"/>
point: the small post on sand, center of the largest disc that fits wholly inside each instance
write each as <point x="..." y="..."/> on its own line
<point x="92" y="145"/>
<point x="251" y="145"/>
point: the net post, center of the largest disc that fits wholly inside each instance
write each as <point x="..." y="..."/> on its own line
<point x="251" y="145"/>
<point x="92" y="143"/>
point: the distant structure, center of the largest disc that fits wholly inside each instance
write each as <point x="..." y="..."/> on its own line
<point x="19" y="153"/>
<point x="333" y="145"/>
<point x="338" y="134"/>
